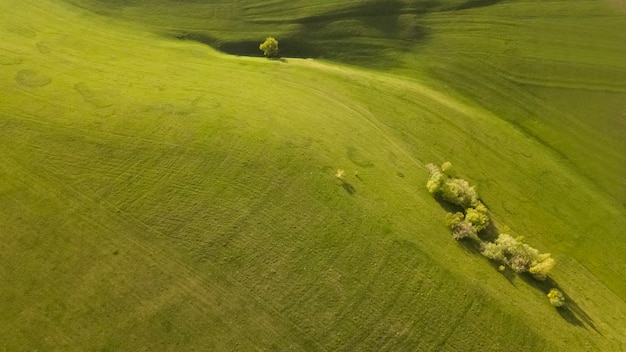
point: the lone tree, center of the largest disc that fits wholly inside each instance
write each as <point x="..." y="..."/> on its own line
<point x="269" y="47"/>
<point x="556" y="297"/>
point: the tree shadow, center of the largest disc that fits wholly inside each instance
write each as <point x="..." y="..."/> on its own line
<point x="347" y="186"/>
<point x="508" y="274"/>
<point x="490" y="234"/>
<point x="470" y="245"/>
<point x="571" y="311"/>
<point x="447" y="206"/>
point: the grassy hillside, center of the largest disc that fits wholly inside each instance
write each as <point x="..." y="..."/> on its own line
<point x="158" y="195"/>
<point x="539" y="66"/>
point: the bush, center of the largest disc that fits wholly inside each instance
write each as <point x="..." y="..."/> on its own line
<point x="459" y="192"/>
<point x="493" y="252"/>
<point x="436" y="179"/>
<point x="447" y="169"/>
<point x="463" y="230"/>
<point x="454" y="190"/>
<point x="477" y="216"/>
<point x="269" y="47"/>
<point x="541" y="266"/>
<point x="460" y="228"/>
<point x="519" y="256"/>
<point x="556" y="297"/>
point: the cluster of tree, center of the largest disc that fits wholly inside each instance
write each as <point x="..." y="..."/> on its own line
<point x="519" y="256"/>
<point x="474" y="217"/>
<point x="506" y="250"/>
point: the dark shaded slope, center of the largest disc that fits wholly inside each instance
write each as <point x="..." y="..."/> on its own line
<point x="367" y="33"/>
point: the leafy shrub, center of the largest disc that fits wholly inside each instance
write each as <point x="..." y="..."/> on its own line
<point x="459" y="192"/>
<point x="477" y="216"/>
<point x="460" y="228"/>
<point x="436" y="179"/>
<point x="493" y="252"/>
<point x="556" y="297"/>
<point x="454" y="190"/>
<point x="541" y="266"/>
<point x="447" y="169"/>
<point x="269" y="47"/>
<point x="519" y="256"/>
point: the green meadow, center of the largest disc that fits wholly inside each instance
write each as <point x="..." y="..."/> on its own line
<point x="163" y="187"/>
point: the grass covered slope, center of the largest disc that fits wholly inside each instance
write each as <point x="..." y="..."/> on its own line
<point x="555" y="70"/>
<point x="538" y="65"/>
<point x="156" y="194"/>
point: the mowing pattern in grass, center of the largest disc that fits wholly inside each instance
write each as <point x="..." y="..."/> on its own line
<point x="540" y="66"/>
<point x="155" y="194"/>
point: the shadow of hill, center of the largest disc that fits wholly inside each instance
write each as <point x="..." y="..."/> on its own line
<point x="366" y="34"/>
<point x="288" y="47"/>
<point x="477" y="3"/>
<point x="369" y="34"/>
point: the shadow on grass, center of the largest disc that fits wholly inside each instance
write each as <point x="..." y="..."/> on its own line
<point x="347" y="186"/>
<point x="570" y="312"/>
<point x="477" y="3"/>
<point x="447" y="206"/>
<point x="470" y="245"/>
<point x="490" y="234"/>
<point x="368" y="34"/>
<point x="289" y="47"/>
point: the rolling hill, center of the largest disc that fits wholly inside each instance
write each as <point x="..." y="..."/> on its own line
<point x="159" y="193"/>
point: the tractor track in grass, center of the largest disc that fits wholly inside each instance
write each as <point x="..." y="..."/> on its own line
<point x="428" y="96"/>
<point x="418" y="95"/>
<point x="101" y="214"/>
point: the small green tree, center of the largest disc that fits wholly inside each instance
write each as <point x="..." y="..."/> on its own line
<point x="541" y="266"/>
<point x="436" y="179"/>
<point x="493" y="252"/>
<point x="458" y="191"/>
<point x="269" y="47"/>
<point x="447" y="169"/>
<point x="556" y="297"/>
<point x="460" y="228"/>
<point x="477" y="216"/>
<point x="454" y="190"/>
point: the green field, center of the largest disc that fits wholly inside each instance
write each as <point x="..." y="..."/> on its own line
<point x="164" y="188"/>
